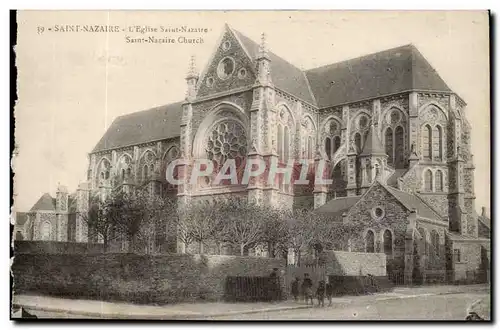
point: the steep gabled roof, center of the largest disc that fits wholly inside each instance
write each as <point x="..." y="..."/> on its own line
<point x="373" y="145"/>
<point x="284" y="75"/>
<point x="139" y="127"/>
<point x="393" y="179"/>
<point x="383" y="73"/>
<point x="45" y="203"/>
<point x="337" y="206"/>
<point x="411" y="202"/>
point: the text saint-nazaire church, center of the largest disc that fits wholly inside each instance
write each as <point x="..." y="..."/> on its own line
<point x="393" y="134"/>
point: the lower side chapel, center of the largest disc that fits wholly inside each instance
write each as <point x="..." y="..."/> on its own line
<point x="395" y="139"/>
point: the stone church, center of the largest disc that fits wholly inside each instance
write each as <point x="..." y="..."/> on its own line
<point x="394" y="136"/>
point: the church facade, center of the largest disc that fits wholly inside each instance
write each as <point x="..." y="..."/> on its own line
<point x="394" y="136"/>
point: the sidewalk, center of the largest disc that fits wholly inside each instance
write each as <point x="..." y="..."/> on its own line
<point x="110" y="310"/>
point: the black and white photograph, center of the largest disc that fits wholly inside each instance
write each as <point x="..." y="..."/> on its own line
<point x="252" y="165"/>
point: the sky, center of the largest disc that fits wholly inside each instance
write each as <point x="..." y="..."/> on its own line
<point x="71" y="85"/>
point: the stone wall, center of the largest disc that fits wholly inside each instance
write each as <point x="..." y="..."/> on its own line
<point x="355" y="263"/>
<point x="473" y="259"/>
<point x="134" y="278"/>
<point x="46" y="247"/>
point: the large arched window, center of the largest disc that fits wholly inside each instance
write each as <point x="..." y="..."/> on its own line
<point x="389" y="147"/>
<point x="124" y="166"/>
<point x="170" y="155"/>
<point x="423" y="239"/>
<point x="427" y="142"/>
<point x="308" y="132"/>
<point x="46" y="231"/>
<point x="370" y="241"/>
<point x="147" y="165"/>
<point x="387" y="242"/>
<point x="332" y="131"/>
<point x="439" y="181"/>
<point x="399" y="149"/>
<point x="328" y="147"/>
<point x="103" y="171"/>
<point x="428" y="180"/>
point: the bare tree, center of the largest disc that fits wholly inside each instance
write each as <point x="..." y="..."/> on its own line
<point x="243" y="223"/>
<point x="274" y="231"/>
<point x="302" y="231"/>
<point x="204" y="220"/>
<point x="102" y="219"/>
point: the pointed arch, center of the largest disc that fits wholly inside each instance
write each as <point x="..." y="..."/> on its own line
<point x="428" y="180"/>
<point x="439" y="181"/>
<point x="370" y="241"/>
<point x="387" y="238"/>
<point x="389" y="145"/>
<point x="427" y="142"/>
<point x="399" y="149"/>
<point x="429" y="105"/>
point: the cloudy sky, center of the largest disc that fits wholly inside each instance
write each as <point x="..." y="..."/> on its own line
<point x="72" y="85"/>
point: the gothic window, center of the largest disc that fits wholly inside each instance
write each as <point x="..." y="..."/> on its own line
<point x="399" y="150"/>
<point x="171" y="155"/>
<point x="227" y="141"/>
<point x="46" y="231"/>
<point x="285" y="137"/>
<point x="428" y="180"/>
<point x="328" y="147"/>
<point x="308" y="142"/>
<point x="104" y="170"/>
<point x="370" y="241"/>
<point x="427" y="142"/>
<point x="439" y="181"/>
<point x="124" y="166"/>
<point x="389" y="147"/>
<point x="332" y="142"/>
<point x="439" y="143"/>
<point x="387" y="242"/>
<point x="357" y="141"/>
<point x="147" y="165"/>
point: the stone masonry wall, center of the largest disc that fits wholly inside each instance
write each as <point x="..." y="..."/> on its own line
<point x="134" y="278"/>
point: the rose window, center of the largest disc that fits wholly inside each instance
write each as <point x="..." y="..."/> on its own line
<point x="226" y="141"/>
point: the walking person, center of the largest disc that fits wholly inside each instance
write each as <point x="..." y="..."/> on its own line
<point x="320" y="293"/>
<point x="295" y="288"/>
<point x="329" y="292"/>
<point x="307" y="285"/>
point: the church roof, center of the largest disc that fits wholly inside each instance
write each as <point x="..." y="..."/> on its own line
<point x="337" y="206"/>
<point x="45" y="203"/>
<point x="158" y="123"/>
<point x="387" y="72"/>
<point x="393" y="179"/>
<point x="373" y="145"/>
<point x="411" y="201"/>
<point x="284" y="75"/>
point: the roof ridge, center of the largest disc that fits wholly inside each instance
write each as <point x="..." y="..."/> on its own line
<point x="429" y="206"/>
<point x="362" y="56"/>
<point x="420" y="199"/>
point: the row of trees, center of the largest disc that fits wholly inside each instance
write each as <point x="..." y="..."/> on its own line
<point x="234" y="221"/>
